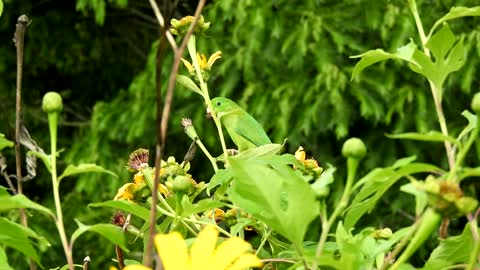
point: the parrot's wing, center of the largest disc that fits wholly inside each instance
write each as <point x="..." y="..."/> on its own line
<point x="248" y="128"/>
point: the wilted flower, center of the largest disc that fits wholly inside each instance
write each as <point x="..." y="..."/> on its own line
<point x="138" y="159"/>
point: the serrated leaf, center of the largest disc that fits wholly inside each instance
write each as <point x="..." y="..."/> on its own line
<point x="21" y="201"/>
<point x="200" y="206"/>
<point x="126" y="206"/>
<point x="452" y="250"/>
<point x="44" y="157"/>
<point x="374" y="56"/>
<point x="111" y="232"/>
<point x="454" y="13"/>
<point x="441" y="43"/>
<point x="431" y="136"/>
<point x="472" y="123"/>
<point x="263" y="150"/>
<point x="376" y="183"/>
<point x="189" y="84"/>
<point x="273" y="193"/>
<point x="219" y="178"/>
<point x="18" y="237"/>
<point x="4" y="142"/>
<point x="83" y="168"/>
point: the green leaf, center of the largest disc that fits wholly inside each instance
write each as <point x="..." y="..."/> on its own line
<point x="263" y="150"/>
<point x="83" y="168"/>
<point x="441" y="43"/>
<point x="374" y="56"/>
<point x="325" y="179"/>
<point x="468" y="172"/>
<point x="44" y="157"/>
<point x="273" y="193"/>
<point x="200" y="206"/>
<point x="189" y="84"/>
<point x="4" y="142"/>
<point x="452" y="250"/>
<point x="21" y="201"/>
<point x="221" y="177"/>
<point x="18" y="237"/>
<point x="3" y="256"/>
<point x="454" y="13"/>
<point x="472" y="123"/>
<point x="111" y="232"/>
<point x="431" y="136"/>
<point x="126" y="206"/>
<point x="376" y="183"/>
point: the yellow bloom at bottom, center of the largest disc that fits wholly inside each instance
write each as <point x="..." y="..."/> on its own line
<point x="232" y="254"/>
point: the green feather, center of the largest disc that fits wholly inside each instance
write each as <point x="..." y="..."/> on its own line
<point x="244" y="130"/>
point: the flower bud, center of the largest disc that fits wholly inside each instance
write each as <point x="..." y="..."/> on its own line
<point x="52" y="102"/>
<point x="476" y="103"/>
<point x="354" y="148"/>
<point x="181" y="184"/>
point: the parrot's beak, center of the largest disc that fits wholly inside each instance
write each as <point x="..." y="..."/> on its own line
<point x="209" y="113"/>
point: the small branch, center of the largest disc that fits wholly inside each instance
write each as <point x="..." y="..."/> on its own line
<point x="86" y="263"/>
<point x="161" y="21"/>
<point x="19" y="39"/>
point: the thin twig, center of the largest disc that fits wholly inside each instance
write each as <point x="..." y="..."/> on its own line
<point x="160" y="146"/>
<point x="18" y="39"/>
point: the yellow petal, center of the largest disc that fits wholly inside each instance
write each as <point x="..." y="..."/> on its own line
<point x="125" y="192"/>
<point x="136" y="267"/>
<point x="214" y="57"/>
<point x="203" y="248"/>
<point x="172" y="251"/>
<point x="228" y="252"/>
<point x="246" y="261"/>
<point x="187" y="65"/>
<point x="300" y="154"/>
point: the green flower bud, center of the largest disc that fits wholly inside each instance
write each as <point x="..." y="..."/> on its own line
<point x="181" y="184"/>
<point x="476" y="103"/>
<point x="466" y="205"/>
<point x="52" y="102"/>
<point x="354" y="148"/>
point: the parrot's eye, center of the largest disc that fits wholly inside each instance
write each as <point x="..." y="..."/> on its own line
<point x="218" y="103"/>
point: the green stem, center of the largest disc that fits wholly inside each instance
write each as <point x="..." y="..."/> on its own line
<point x="203" y="87"/>
<point x="418" y="22"/>
<point x="52" y="124"/>
<point x="463" y="152"/>
<point x="429" y="223"/>
<point x="352" y="165"/>
<point x="209" y="156"/>
<point x="264" y="240"/>
<point x="474" y="256"/>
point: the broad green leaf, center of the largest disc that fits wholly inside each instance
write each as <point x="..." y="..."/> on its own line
<point x="219" y="178"/>
<point x="111" y="232"/>
<point x="18" y="237"/>
<point x="4" y="142"/>
<point x="272" y="192"/>
<point x="188" y="83"/>
<point x="431" y="136"/>
<point x="44" y="157"/>
<point x="376" y="183"/>
<point x="454" y="13"/>
<point x="3" y="257"/>
<point x="126" y="206"/>
<point x="83" y="168"/>
<point x="452" y="250"/>
<point x="263" y="150"/>
<point x="441" y="43"/>
<point x="21" y="201"/>
<point x="200" y="206"/>
<point x="374" y="56"/>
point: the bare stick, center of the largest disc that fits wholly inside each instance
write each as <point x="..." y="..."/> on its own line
<point x="18" y="39"/>
<point x="160" y="146"/>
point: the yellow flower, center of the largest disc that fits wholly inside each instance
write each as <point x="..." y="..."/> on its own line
<point x="232" y="254"/>
<point x="202" y="62"/>
<point x="180" y="27"/>
<point x="126" y="192"/>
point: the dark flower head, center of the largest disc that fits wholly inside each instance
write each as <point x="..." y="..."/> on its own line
<point x="138" y="159"/>
<point x="118" y="219"/>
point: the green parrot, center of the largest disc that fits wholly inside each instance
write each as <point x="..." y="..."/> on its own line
<point x="244" y="130"/>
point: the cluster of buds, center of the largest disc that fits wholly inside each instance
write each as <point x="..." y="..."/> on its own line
<point x="230" y="217"/>
<point x="310" y="166"/>
<point x="180" y="27"/>
<point x="446" y="197"/>
<point x="173" y="179"/>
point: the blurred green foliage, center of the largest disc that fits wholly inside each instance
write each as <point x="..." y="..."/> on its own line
<point x="286" y="62"/>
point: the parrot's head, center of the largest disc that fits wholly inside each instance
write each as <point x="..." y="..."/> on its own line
<point x="222" y="106"/>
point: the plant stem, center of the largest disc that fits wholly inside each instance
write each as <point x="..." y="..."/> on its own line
<point x="209" y="156"/>
<point x="352" y="165"/>
<point x="475" y="255"/>
<point x="52" y="124"/>
<point x="19" y="39"/>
